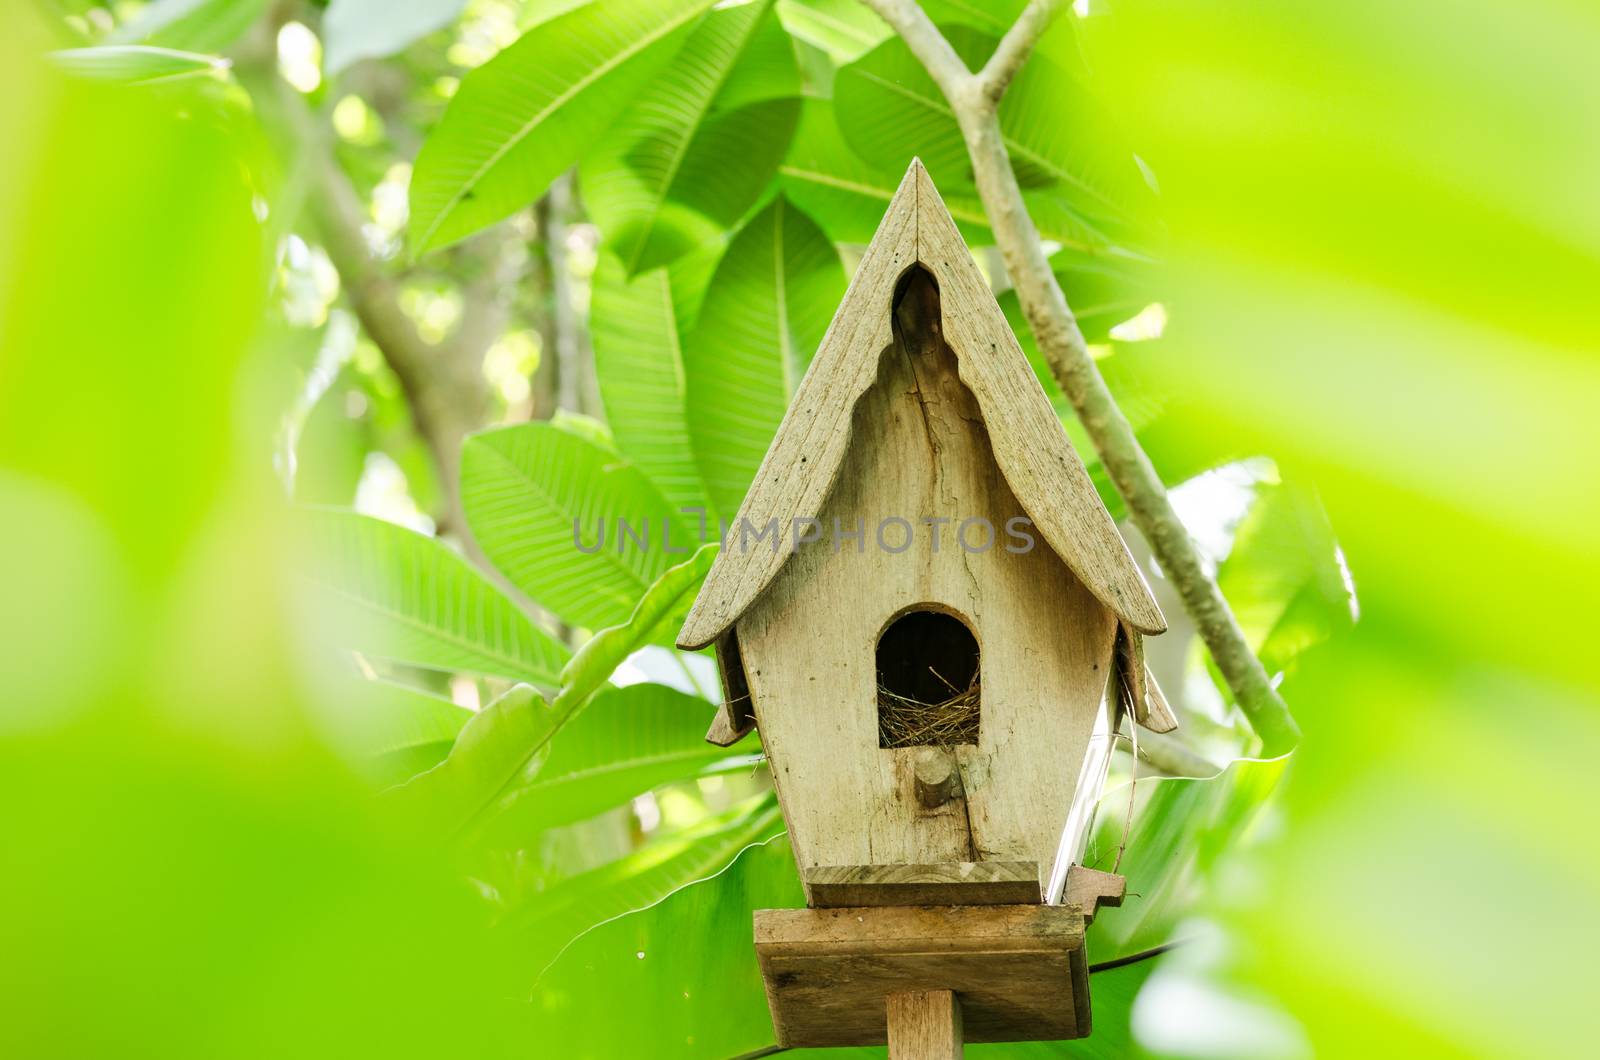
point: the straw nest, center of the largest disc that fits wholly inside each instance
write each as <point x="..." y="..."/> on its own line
<point x="905" y="722"/>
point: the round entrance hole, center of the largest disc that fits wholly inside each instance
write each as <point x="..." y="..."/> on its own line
<point x="928" y="688"/>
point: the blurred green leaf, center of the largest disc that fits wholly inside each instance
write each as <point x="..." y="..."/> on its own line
<point x="688" y="961"/>
<point x="770" y="301"/>
<point x="191" y="25"/>
<point x="590" y="429"/>
<point x="136" y="64"/>
<point x="1283" y="576"/>
<point x="654" y="872"/>
<point x="396" y="594"/>
<point x="190" y="854"/>
<point x="506" y="738"/>
<point x="1145" y="379"/>
<point x="638" y="359"/>
<point x="1103" y="291"/>
<point x="504" y="746"/>
<point x="545" y="506"/>
<point x="353" y="30"/>
<point x="395" y="732"/>
<point x="844" y="29"/>
<point x="1181" y="828"/>
<point x="692" y="154"/>
<point x="1057" y="135"/>
<point x="627" y="741"/>
<point x="528" y="114"/>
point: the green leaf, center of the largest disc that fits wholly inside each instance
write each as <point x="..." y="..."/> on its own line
<point x="528" y="114"/>
<point x="545" y="506"/>
<point x="370" y="29"/>
<point x="688" y="960"/>
<point x="504" y="746"/>
<point x="695" y="151"/>
<point x="641" y="880"/>
<point x="135" y="64"/>
<point x="847" y="195"/>
<point x="1175" y="432"/>
<point x="1103" y="291"/>
<point x="844" y="29"/>
<point x="1111" y="995"/>
<point x="638" y="359"/>
<point x="1057" y="135"/>
<point x="501" y="741"/>
<point x="627" y="741"/>
<point x="770" y="301"/>
<point x="395" y="594"/>
<point x="191" y="25"/>
<point x="656" y="617"/>
<point x="1283" y="576"/>
<point x="1181" y="828"/>
<point x="392" y="731"/>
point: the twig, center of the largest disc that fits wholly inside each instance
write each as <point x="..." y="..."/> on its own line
<point x="1014" y="49"/>
<point x="973" y="99"/>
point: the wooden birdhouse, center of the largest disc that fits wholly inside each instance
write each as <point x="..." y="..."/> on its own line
<point x="931" y="618"/>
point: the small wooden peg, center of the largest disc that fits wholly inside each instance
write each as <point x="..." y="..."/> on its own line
<point x="936" y="778"/>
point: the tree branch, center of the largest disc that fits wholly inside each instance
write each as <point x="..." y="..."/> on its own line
<point x="1014" y="49"/>
<point x="1056" y="331"/>
<point x="1173" y="757"/>
<point x="926" y="43"/>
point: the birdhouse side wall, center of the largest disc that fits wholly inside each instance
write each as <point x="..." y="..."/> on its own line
<point x="919" y="449"/>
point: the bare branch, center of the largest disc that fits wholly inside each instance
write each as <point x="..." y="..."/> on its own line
<point x="1056" y="331"/>
<point x="1173" y="757"/>
<point x="926" y="43"/>
<point x="1014" y="49"/>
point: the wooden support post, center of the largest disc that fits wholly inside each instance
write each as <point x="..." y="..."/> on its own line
<point x="925" y="1025"/>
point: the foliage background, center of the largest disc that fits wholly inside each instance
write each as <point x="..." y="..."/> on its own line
<point x="321" y="322"/>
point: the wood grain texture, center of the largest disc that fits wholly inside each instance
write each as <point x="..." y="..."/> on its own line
<point x="734" y="718"/>
<point x="924" y="1025"/>
<point x="1039" y="462"/>
<point x="804" y="460"/>
<point x="1017" y="970"/>
<point x="921" y="448"/>
<point x="1088" y="889"/>
<point x="955" y="883"/>
<point x="1143" y="695"/>
<point x="1160" y="717"/>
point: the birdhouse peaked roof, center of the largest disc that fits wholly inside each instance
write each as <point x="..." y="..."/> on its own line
<point x="1029" y="444"/>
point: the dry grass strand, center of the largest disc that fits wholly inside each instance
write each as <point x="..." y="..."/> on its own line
<point x="905" y="722"/>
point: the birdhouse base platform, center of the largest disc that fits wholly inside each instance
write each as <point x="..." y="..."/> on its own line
<point x="1018" y="971"/>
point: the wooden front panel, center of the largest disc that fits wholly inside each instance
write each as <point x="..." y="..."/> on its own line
<point x="919" y="449"/>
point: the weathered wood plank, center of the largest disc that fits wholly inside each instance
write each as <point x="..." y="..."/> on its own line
<point x="735" y="717"/>
<point x="925" y="1025"/>
<point x="803" y="462"/>
<point x="1029" y="443"/>
<point x="1160" y="717"/>
<point x="1088" y="889"/>
<point x="809" y="644"/>
<point x="1144" y="697"/>
<point x="953" y="883"/>
<point x="829" y="972"/>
